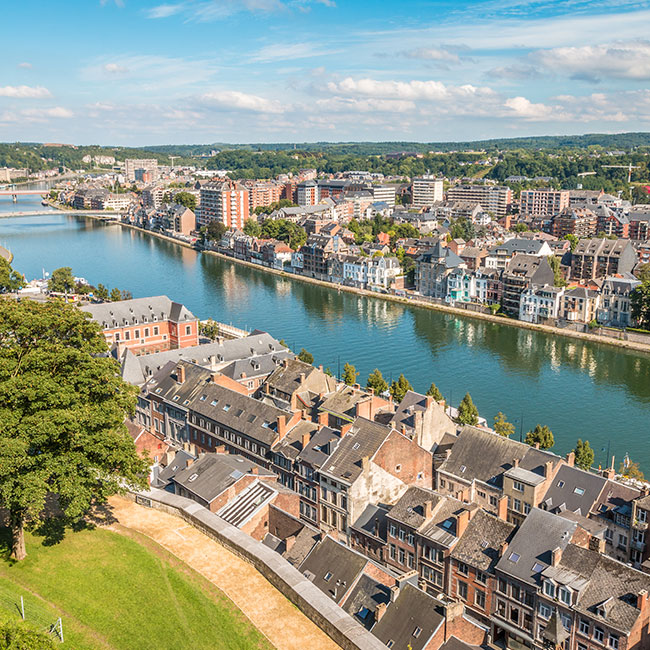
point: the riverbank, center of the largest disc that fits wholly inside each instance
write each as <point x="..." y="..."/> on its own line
<point x="6" y="254"/>
<point x="499" y="320"/>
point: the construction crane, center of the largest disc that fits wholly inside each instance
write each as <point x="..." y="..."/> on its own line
<point x="586" y="174"/>
<point x="172" y="158"/>
<point x="629" y="168"/>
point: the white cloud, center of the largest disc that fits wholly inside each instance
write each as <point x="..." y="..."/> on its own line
<point x="288" y="51"/>
<point x="164" y="11"/>
<point x="115" y="68"/>
<point x="233" y="100"/>
<point x="629" y="60"/>
<point x="209" y="10"/>
<point x="39" y="114"/>
<point x="524" y="108"/>
<point x="24" y="92"/>
<point x="353" y="105"/>
<point x="25" y="65"/>
<point x="432" y="54"/>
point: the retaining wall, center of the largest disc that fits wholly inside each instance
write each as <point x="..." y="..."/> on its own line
<point x="329" y="617"/>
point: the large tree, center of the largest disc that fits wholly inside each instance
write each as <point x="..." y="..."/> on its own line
<point x="542" y="435"/>
<point x="10" y="280"/>
<point x="19" y="636"/>
<point x="350" y="374"/>
<point x="63" y="443"/>
<point x="305" y="357"/>
<point x="62" y="280"/>
<point x="400" y="387"/>
<point x="186" y="199"/>
<point x="434" y="392"/>
<point x="377" y="382"/>
<point x="502" y="426"/>
<point x="467" y="411"/>
<point x="584" y="454"/>
<point x="640" y="302"/>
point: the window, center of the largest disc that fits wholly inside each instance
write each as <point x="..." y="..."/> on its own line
<point x="514" y="557"/>
<point x="582" y="646"/>
<point x="514" y="615"/>
<point x="398" y="468"/>
<point x="479" y="598"/>
<point x="402" y="555"/>
<point x="503" y="586"/>
<point x="481" y="577"/>
<point x="642" y="516"/>
<point x="137" y="334"/>
<point x="622" y="540"/>
<point x="402" y="534"/>
<point x="328" y="577"/>
<point x="566" y="621"/>
<point x="462" y="590"/>
<point x="544" y="610"/>
<point x="442" y="482"/>
<point x="411" y="560"/>
<point x="609" y="534"/>
<point x="146" y="331"/>
<point x="583" y="626"/>
<point x="579" y="491"/>
<point x="599" y="635"/>
<point x="390" y="643"/>
<point x="501" y="608"/>
<point x="549" y="589"/>
<point x="516" y="505"/>
<point x="127" y="335"/>
<point x="526" y="508"/>
<point x="493" y="501"/>
<point x="188" y="330"/>
<point x="417" y="631"/>
<point x="156" y="330"/>
<point x="117" y="336"/>
<point x="392" y="551"/>
<point x="518" y="486"/>
<point x="463" y="569"/>
<point x="481" y="495"/>
<point x="564" y="595"/>
<point x="613" y="641"/>
<point x="409" y="539"/>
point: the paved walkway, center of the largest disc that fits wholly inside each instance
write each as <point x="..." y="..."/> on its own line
<point x="271" y="613"/>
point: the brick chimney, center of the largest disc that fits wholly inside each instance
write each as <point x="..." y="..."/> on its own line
<point x="502" y="508"/>
<point x="305" y="439"/>
<point x="365" y="464"/>
<point x="243" y="375"/>
<point x="429" y="402"/>
<point x="302" y="378"/>
<point x="462" y="519"/>
<point x="282" y="426"/>
<point x="180" y="374"/>
<point x="345" y="428"/>
<point x="189" y="462"/>
<point x="571" y="459"/>
<point x="428" y="510"/>
<point x="642" y="600"/>
<point x="503" y="548"/>
<point x="289" y="542"/>
<point x="609" y="473"/>
<point x="548" y="468"/>
<point x="556" y="556"/>
<point x="394" y="593"/>
<point x="515" y="462"/>
<point x="380" y="610"/>
<point x="215" y="377"/>
<point x="323" y="418"/>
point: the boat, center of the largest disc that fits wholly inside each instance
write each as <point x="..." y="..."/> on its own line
<point x="44" y="202"/>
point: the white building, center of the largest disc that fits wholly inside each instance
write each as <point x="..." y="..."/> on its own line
<point x="427" y="190"/>
<point x="307" y="193"/>
<point x="146" y="164"/>
<point x="540" y="303"/>
<point x="384" y="194"/>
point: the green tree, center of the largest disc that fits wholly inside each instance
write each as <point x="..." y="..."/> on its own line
<point x="62" y="280"/>
<point x="584" y="454"/>
<point x="350" y="374"/>
<point x="643" y="272"/>
<point x="435" y="393"/>
<point x="186" y="199"/>
<point x="467" y="411"/>
<point x="558" y="276"/>
<point x="116" y="295"/>
<point x="210" y="329"/>
<point x="502" y="426"/>
<point x="18" y="636"/>
<point x="640" y="303"/>
<point x="252" y="228"/>
<point x="400" y="387"/>
<point x="10" y="280"/>
<point x="328" y="372"/>
<point x="101" y="293"/>
<point x="215" y="230"/>
<point x="573" y="239"/>
<point x="62" y="411"/>
<point x="542" y="435"/>
<point x="305" y="356"/>
<point x="631" y="469"/>
<point x="377" y="382"/>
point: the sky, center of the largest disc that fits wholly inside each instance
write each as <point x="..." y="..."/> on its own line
<point x="143" y="72"/>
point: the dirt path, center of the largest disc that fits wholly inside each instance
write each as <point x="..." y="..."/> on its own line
<point x="269" y="611"/>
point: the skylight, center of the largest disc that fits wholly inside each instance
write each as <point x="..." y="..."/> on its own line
<point x="514" y="557"/>
<point x="537" y="567"/>
<point x="226" y="407"/>
<point x="560" y="484"/>
<point x="193" y="477"/>
<point x="579" y="491"/>
<point x="328" y="576"/>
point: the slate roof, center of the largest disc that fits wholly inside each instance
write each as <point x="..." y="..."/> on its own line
<point x="321" y="445"/>
<point x="177" y="465"/>
<point x="362" y="440"/>
<point x="364" y="598"/>
<point x="287" y="378"/>
<point x="343" y="401"/>
<point x="211" y="474"/>
<point x="256" y="366"/>
<point x="517" y="245"/>
<point x="529" y="552"/>
<point x="573" y="489"/>
<point x="331" y="562"/>
<point x="452" y="643"/>
<point x="372" y="522"/>
<point x="441" y="255"/>
<point x="291" y="445"/>
<point x="305" y="541"/>
<point x="412" y="610"/>
<point x="137" y="311"/>
<point x="480" y="543"/>
<point x="609" y="583"/>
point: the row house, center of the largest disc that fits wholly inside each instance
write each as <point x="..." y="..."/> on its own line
<point x="599" y="258"/>
<point x="524" y="271"/>
<point x="581" y="222"/>
<point x="315" y="253"/>
<point x="433" y="270"/>
<point x="499" y="257"/>
<point x="639" y="228"/>
<point x="539" y="304"/>
<point x="615" y="305"/>
<point x="612" y="222"/>
<point x="482" y="286"/>
<point x="145" y="325"/>
<point x="580" y="305"/>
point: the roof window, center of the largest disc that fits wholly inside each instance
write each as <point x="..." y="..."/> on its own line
<point x="560" y="484"/>
<point x="226" y="407"/>
<point x="579" y="491"/>
<point x="514" y="557"/>
<point x="328" y="576"/>
<point x="193" y="477"/>
<point x="537" y="567"/>
<point x="417" y="631"/>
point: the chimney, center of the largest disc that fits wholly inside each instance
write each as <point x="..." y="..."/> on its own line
<point x="189" y="462"/>
<point x="221" y="449"/>
<point x="462" y="519"/>
<point x="548" y="469"/>
<point x="394" y="593"/>
<point x="289" y="542"/>
<point x="213" y="362"/>
<point x="282" y="426"/>
<point x="357" y="386"/>
<point x="302" y="378"/>
<point x="380" y="610"/>
<point x="375" y="527"/>
<point x="609" y="473"/>
<point x="320" y="367"/>
<point x="536" y="445"/>
<point x="255" y="470"/>
<point x="515" y="462"/>
<point x="447" y="453"/>
<point x="305" y="439"/>
<point x="180" y="374"/>
<point x="417" y="420"/>
<point x="642" y="600"/>
<point x="285" y="363"/>
<point x="365" y="464"/>
<point x="345" y="428"/>
<point x="323" y="418"/>
<point x="402" y="429"/>
<point x="429" y="402"/>
<point x="502" y="508"/>
<point x="571" y="459"/>
<point x="556" y="556"/>
<point x="215" y="377"/>
<point x="503" y="548"/>
<point x="428" y="510"/>
<point x="243" y="375"/>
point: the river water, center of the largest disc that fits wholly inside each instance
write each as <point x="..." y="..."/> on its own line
<point x="578" y="389"/>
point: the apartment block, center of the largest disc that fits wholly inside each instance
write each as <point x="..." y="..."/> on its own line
<point x="226" y="201"/>
<point x="147" y="165"/>
<point x="426" y="191"/>
<point x="543" y="203"/>
<point x="494" y="199"/>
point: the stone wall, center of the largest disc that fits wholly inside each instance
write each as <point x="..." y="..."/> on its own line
<point x="338" y="625"/>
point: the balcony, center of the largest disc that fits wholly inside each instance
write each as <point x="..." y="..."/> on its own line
<point x="640" y="525"/>
<point x="639" y="546"/>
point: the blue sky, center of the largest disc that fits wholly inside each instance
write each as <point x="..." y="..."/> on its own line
<point x="135" y="72"/>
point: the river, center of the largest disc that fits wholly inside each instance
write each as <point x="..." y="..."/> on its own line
<point x="579" y="389"/>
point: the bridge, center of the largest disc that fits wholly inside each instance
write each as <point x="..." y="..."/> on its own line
<point x="108" y="216"/>
<point x="14" y="194"/>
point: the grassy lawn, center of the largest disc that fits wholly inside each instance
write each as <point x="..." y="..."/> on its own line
<point x="120" y="591"/>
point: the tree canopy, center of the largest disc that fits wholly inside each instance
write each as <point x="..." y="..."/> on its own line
<point x="435" y="393"/>
<point x="584" y="454"/>
<point x="467" y="411"/>
<point x="542" y="435"/>
<point x="377" y="382"/>
<point x="186" y="199"/>
<point x="400" y="387"/>
<point x="502" y="426"/>
<point x="350" y="374"/>
<point x="62" y="280"/>
<point x="10" y="280"/>
<point x="305" y="356"/>
<point x="62" y="412"/>
<point x="19" y="636"/>
<point x="640" y="303"/>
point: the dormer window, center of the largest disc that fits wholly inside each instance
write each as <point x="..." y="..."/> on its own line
<point x="564" y="595"/>
<point x="549" y="589"/>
